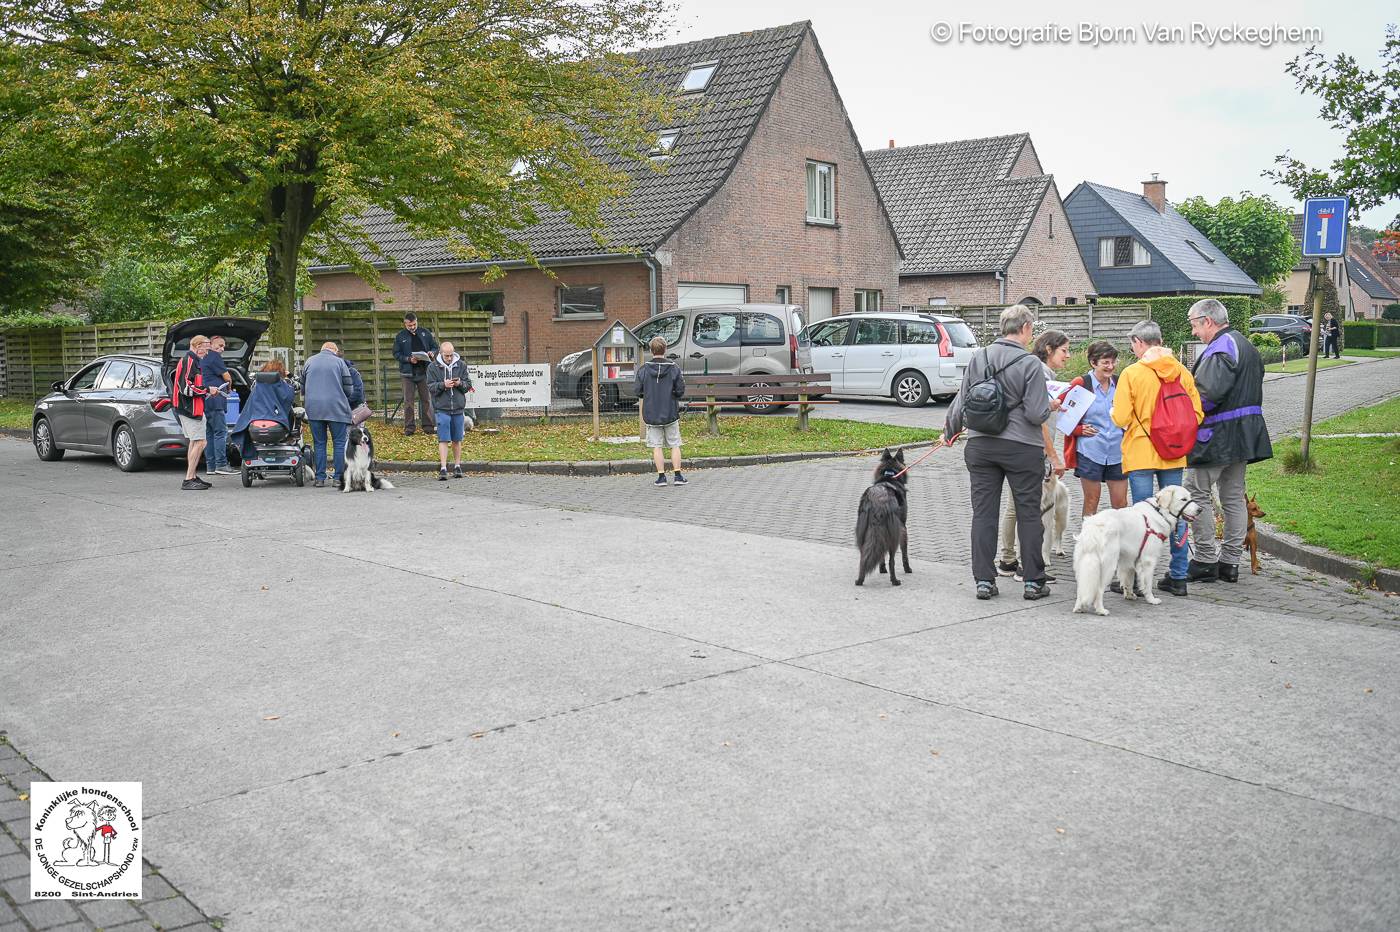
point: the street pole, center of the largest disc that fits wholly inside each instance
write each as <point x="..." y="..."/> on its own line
<point x="1319" y="277"/>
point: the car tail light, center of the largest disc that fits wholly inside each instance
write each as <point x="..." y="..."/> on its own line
<point x="792" y="350"/>
<point x="945" y="343"/>
<point x="160" y="404"/>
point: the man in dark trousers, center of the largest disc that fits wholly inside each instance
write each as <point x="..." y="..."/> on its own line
<point x="1230" y="377"/>
<point x="1331" y="336"/>
<point x="219" y="383"/>
<point x="414" y="348"/>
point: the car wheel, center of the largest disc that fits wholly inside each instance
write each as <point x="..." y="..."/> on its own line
<point x="124" y="450"/>
<point x="585" y="392"/>
<point x="246" y="475"/>
<point x="910" y="389"/>
<point x="757" y="401"/>
<point x="44" y="444"/>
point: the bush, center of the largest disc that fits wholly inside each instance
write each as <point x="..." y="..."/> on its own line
<point x="30" y="320"/>
<point x="1170" y="313"/>
<point x="1261" y="340"/>
<point x="1370" y="334"/>
<point x="1391" y="312"/>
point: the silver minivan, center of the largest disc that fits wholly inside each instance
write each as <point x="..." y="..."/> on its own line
<point x="908" y="356"/>
<point x="721" y="339"/>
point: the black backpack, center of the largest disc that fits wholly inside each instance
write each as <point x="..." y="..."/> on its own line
<point x="984" y="404"/>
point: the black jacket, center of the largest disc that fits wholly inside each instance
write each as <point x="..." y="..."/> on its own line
<point x="1230" y="377"/>
<point x="449" y="400"/>
<point x="661" y="386"/>
<point x="403" y="350"/>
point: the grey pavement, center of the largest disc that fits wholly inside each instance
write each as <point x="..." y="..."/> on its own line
<point x="542" y="702"/>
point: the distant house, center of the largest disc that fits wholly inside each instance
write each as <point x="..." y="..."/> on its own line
<point x="1137" y="245"/>
<point x="979" y="222"/>
<point x="766" y="197"/>
<point x="1296" y="287"/>
<point x="1371" y="287"/>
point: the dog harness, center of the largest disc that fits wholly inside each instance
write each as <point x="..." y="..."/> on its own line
<point x="1148" y="533"/>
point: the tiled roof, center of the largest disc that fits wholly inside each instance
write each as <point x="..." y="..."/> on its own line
<point x="1363" y="271"/>
<point x="1296" y="225"/>
<point x="953" y="205"/>
<point x="1171" y="234"/>
<point x="711" y="140"/>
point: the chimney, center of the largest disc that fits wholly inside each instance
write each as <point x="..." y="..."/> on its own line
<point x="1156" y="193"/>
<point x="891" y="143"/>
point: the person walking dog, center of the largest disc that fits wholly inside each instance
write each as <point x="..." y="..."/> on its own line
<point x="1094" y="449"/>
<point x="327" y="386"/>
<point x="449" y="381"/>
<point x="414" y="348"/>
<point x="1230" y="376"/>
<point x="1002" y="405"/>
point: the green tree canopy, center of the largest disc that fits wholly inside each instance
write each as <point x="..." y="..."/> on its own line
<point x="1364" y="104"/>
<point x="1253" y="231"/>
<point x="265" y="127"/>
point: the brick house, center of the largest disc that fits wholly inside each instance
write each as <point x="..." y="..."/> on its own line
<point x="1371" y="287"/>
<point x="766" y="197"/>
<point x="1137" y="245"/>
<point x="1295" y="287"/>
<point x="979" y="223"/>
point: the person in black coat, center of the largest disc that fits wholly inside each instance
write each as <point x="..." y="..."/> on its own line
<point x="1230" y="377"/>
<point x="414" y="348"/>
<point x="1331" y="336"/>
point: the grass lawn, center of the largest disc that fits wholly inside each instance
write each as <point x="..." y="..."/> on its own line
<point x="1383" y="418"/>
<point x="1349" y="504"/>
<point x="534" y="441"/>
<point x="1301" y="365"/>
<point x="1376" y="353"/>
<point x="16" y="412"/>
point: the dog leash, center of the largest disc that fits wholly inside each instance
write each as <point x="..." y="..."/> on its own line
<point x="936" y="447"/>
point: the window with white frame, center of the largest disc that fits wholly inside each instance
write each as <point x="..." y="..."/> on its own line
<point x="821" y="192"/>
<point x="366" y="305"/>
<point x="1122" y="252"/>
<point x="867" y="299"/>
<point x="665" y="142"/>
<point x="698" y="77"/>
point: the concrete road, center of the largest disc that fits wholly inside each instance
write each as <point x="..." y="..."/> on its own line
<point x="426" y="710"/>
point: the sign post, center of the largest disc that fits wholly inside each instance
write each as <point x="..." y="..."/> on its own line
<point x="1324" y="237"/>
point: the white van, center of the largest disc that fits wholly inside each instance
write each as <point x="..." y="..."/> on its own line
<point x="910" y="357"/>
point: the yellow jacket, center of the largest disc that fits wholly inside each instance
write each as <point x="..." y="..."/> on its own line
<point x="1137" y="397"/>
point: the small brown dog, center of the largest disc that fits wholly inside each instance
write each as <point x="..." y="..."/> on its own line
<point x="1251" y="537"/>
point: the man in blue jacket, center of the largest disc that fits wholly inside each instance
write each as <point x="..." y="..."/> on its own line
<point x="327" y="386"/>
<point x="661" y="386"/>
<point x="414" y="348"/>
<point x="219" y="383"/>
<point x="1230" y="377"/>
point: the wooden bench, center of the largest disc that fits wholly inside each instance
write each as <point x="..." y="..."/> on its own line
<point x="757" y="393"/>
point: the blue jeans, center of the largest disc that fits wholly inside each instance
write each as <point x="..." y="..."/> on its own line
<point x="216" y="433"/>
<point x="337" y="429"/>
<point x="1140" y="487"/>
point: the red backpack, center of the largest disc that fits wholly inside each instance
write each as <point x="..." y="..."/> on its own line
<point x="1173" y="431"/>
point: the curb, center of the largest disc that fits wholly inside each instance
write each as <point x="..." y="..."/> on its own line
<point x="18" y="433"/>
<point x="631" y="467"/>
<point x="1295" y="551"/>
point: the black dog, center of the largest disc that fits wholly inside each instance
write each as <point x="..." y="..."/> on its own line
<point x="358" y="474"/>
<point x="881" y="522"/>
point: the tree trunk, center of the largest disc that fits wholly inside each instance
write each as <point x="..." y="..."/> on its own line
<point x="290" y="210"/>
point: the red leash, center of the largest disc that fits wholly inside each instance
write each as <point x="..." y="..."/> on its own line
<point x="936" y="447"/>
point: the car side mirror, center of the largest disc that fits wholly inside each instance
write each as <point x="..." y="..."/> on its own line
<point x="57" y="386"/>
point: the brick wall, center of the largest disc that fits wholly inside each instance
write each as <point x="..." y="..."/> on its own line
<point x="529" y="294"/>
<point x="1027" y="163"/>
<point x="1048" y="266"/>
<point x="754" y="232"/>
<point x="958" y="289"/>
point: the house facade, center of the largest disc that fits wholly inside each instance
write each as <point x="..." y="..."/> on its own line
<point x="1371" y="288"/>
<point x="765" y="197"/>
<point x="1295" y="287"/>
<point x="1137" y="245"/>
<point x="979" y="222"/>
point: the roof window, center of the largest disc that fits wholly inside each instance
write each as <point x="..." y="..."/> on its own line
<point x="698" y="77"/>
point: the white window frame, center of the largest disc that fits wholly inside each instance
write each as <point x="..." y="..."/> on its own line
<point x="338" y="306"/>
<point x="937" y="302"/>
<point x="665" y="143"/>
<point x="821" y="192"/>
<point x="1141" y="256"/>
<point x="864" y="299"/>
<point x="1107" y="247"/>
<point x="695" y="69"/>
<point x="1106" y="251"/>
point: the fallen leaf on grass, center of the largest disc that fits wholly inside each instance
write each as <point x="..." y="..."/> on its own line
<point x="271" y="718"/>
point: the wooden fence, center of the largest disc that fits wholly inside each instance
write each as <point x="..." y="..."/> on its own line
<point x="32" y="359"/>
<point x="1082" y="322"/>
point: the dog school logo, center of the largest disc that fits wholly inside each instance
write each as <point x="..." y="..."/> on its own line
<point x="85" y="840"/>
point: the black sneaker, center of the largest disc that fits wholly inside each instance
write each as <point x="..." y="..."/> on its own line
<point x="1036" y="590"/>
<point x="319" y="484"/>
<point x="1008" y="569"/>
<point x="456" y="472"/>
<point x="409" y="431"/>
<point x="678" y="479"/>
<point x="1174" y="586"/>
<point x="660" y="482"/>
<point x="194" y="485"/>
<point x="986" y="588"/>
<point x="1202" y="572"/>
<point x="1229" y="572"/>
<point x="442" y="474"/>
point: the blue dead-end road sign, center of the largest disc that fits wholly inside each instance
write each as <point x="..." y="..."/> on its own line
<point x="1324" y="227"/>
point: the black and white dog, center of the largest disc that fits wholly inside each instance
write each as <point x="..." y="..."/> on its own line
<point x="358" y="474"/>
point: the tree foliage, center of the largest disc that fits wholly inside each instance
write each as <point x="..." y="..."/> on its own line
<point x="1253" y="231"/>
<point x="264" y="127"/>
<point x="1364" y="104"/>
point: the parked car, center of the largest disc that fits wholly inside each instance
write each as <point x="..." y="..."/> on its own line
<point x="908" y="356"/>
<point x="119" y="405"/>
<point x="1294" y="330"/>
<point x="739" y="339"/>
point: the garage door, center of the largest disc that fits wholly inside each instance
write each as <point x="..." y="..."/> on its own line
<point x="690" y="294"/>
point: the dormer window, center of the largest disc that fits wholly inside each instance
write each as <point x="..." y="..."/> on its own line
<point x="1200" y="252"/>
<point x="665" y="142"/>
<point x="698" y="77"/>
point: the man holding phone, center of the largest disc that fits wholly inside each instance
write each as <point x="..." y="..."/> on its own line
<point x="414" y="348"/>
<point x="449" y="382"/>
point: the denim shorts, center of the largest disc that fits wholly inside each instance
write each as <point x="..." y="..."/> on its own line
<point x="1098" y="472"/>
<point x="451" y="426"/>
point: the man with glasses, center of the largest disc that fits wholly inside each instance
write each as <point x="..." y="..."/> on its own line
<point x="1230" y="377"/>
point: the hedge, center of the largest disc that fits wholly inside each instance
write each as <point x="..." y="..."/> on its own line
<point x="1170" y="313"/>
<point x="1370" y="334"/>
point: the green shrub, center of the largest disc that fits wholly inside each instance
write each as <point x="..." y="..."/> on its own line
<point x="1391" y="312"/>
<point x="30" y="320"/>
<point x="1370" y="334"/>
<point x="1261" y="340"/>
<point x="1170" y="313"/>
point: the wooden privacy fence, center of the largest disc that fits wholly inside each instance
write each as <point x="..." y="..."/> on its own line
<point x="1082" y="322"/>
<point x="32" y="359"/>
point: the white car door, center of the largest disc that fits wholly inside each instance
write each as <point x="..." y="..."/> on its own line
<point x="828" y="347"/>
<point x="871" y="356"/>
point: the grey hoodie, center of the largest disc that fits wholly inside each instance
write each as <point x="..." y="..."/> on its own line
<point x="448" y="400"/>
<point x="1022" y="378"/>
<point x="660" y="385"/>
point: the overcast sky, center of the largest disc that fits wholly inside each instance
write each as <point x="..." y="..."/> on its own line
<point x="1207" y="119"/>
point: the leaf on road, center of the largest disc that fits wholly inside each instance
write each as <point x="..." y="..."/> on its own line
<point x="1366" y="690"/>
<point x="1287" y="685"/>
<point x="478" y="734"/>
<point x="1059" y="831"/>
<point x="934" y="752"/>
<point x="271" y="718"/>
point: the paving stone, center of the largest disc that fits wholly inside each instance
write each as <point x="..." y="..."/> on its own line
<point x="13" y="865"/>
<point x="46" y="914"/>
<point x="107" y="913"/>
<point x="155" y="887"/>
<point x="17" y="888"/>
<point x="7" y="913"/>
<point x="14" y="810"/>
<point x="173" y="913"/>
<point x="13" y="765"/>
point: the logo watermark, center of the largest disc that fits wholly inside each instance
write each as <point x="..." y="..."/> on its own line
<point x="85" y="840"/>
<point x="1094" y="35"/>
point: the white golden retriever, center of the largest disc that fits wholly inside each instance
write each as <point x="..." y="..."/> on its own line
<point x="1127" y="541"/>
<point x="1054" y="514"/>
